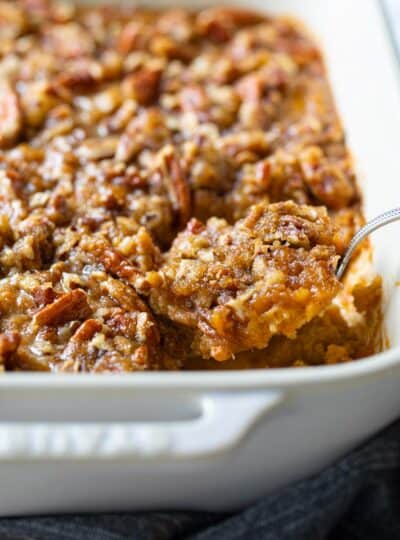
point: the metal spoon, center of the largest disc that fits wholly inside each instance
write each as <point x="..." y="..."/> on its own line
<point x="371" y="226"/>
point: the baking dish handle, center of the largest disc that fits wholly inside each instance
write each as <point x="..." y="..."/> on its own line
<point x="224" y="419"/>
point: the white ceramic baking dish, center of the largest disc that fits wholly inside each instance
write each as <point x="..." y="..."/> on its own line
<point x="218" y="441"/>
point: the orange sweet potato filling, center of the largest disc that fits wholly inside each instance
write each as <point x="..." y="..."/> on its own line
<point x="239" y="285"/>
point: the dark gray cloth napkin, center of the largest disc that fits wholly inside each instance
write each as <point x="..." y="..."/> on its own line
<point x="357" y="498"/>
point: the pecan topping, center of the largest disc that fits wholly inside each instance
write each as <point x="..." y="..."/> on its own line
<point x="175" y="187"/>
<point x="177" y="183"/>
<point x="68" y="307"/>
<point x="87" y="330"/>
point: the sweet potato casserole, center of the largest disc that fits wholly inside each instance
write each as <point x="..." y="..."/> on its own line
<point x="175" y="193"/>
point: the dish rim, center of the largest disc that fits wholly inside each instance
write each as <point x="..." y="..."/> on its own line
<point x="168" y="380"/>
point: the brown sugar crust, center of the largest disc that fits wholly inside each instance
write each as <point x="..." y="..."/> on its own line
<point x="75" y="316"/>
<point x="239" y="285"/>
<point x="121" y="127"/>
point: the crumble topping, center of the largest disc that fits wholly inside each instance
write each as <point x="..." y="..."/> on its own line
<point x="239" y="285"/>
<point x="175" y="189"/>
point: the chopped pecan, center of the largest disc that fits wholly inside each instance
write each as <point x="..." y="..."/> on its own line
<point x="328" y="182"/>
<point x="176" y="23"/>
<point x="195" y="226"/>
<point x="254" y="141"/>
<point x="143" y="85"/>
<point x="101" y="148"/>
<point x="331" y="186"/>
<point x="125" y="296"/>
<point x="115" y="263"/>
<point x="10" y="115"/>
<point x="44" y="295"/>
<point x="132" y="37"/>
<point x="13" y="20"/>
<point x="35" y="244"/>
<point x="70" y="306"/>
<point x="75" y="80"/>
<point x="147" y="130"/>
<point x="69" y="40"/>
<point x="36" y="102"/>
<point x="177" y="183"/>
<point x="251" y="87"/>
<point x="141" y="355"/>
<point x="33" y="247"/>
<point x="167" y="47"/>
<point x="194" y="98"/>
<point x="87" y="330"/>
<point x="9" y="342"/>
<point x="263" y="174"/>
<point x="220" y="23"/>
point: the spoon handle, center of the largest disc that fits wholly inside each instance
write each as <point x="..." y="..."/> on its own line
<point x="371" y="226"/>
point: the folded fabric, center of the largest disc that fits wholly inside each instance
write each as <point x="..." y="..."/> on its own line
<point x="357" y="498"/>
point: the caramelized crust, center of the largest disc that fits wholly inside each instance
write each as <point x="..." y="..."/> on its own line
<point x="164" y="116"/>
<point x="75" y="316"/>
<point x="269" y="274"/>
<point x="121" y="127"/>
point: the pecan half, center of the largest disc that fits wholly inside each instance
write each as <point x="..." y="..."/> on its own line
<point x="87" y="330"/>
<point x="68" y="307"/>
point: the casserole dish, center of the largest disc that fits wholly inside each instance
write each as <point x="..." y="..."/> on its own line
<point x="117" y="443"/>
